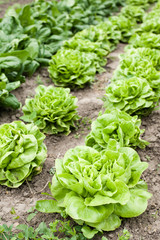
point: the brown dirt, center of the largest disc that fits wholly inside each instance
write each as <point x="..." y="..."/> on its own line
<point x="144" y="227"/>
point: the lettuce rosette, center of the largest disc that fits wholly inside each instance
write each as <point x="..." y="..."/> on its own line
<point x="22" y="153"/>
<point x="124" y="25"/>
<point x="152" y="55"/>
<point x="112" y="32"/>
<point x="133" y="12"/>
<point x="100" y="33"/>
<point x="72" y="68"/>
<point x="88" y="46"/>
<point x="53" y="110"/>
<point x="98" y="188"/>
<point x="151" y="22"/>
<point x="140" y="66"/>
<point x="145" y="39"/>
<point x="132" y="95"/>
<point x="116" y="125"/>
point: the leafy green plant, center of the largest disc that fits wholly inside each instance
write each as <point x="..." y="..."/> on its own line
<point x="43" y="231"/>
<point x="87" y="46"/>
<point x="145" y="39"/>
<point x="132" y="95"/>
<point x="81" y="57"/>
<point x="51" y="22"/>
<point x="125" y="235"/>
<point x="105" y="34"/>
<point x="117" y="125"/>
<point x="84" y="13"/>
<point x="56" y="230"/>
<point x="151" y="23"/>
<point x="142" y="63"/>
<point x="109" y="33"/>
<point x="6" y="98"/>
<point x="11" y="67"/>
<point x="152" y="55"/>
<point x="124" y="25"/>
<point x="52" y="109"/>
<point x="133" y="12"/>
<point x="18" y="51"/>
<point x="22" y="153"/>
<point x="104" y="238"/>
<point x="73" y="68"/>
<point x="97" y="188"/>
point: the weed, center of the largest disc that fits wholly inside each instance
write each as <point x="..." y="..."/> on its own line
<point x="77" y="135"/>
<point x="86" y="120"/>
<point x="125" y="235"/>
<point x="52" y="232"/>
<point x="148" y="158"/>
<point x="39" y="80"/>
<point x="52" y="171"/>
<point x="57" y="230"/>
<point x="155" y="215"/>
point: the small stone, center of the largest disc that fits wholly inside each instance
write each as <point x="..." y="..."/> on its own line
<point x="25" y="194"/>
<point x="18" y="115"/>
<point x="13" y="118"/>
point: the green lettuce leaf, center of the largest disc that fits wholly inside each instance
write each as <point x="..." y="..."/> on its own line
<point x="8" y="100"/>
<point x="88" y="232"/>
<point x="137" y="203"/>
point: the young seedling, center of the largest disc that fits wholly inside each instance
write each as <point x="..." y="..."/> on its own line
<point x="125" y="235"/>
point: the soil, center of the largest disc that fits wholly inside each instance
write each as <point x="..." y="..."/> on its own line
<point x="144" y="227"/>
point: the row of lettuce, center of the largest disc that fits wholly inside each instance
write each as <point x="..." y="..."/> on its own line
<point x="29" y="37"/>
<point x="100" y="183"/>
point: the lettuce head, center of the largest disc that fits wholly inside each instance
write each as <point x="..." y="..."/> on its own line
<point x="97" y="188"/>
<point x="117" y="125"/>
<point x="52" y="109"/>
<point x="132" y="95"/>
<point x="142" y="63"/>
<point x="145" y="39"/>
<point x="73" y="68"/>
<point x="22" y="153"/>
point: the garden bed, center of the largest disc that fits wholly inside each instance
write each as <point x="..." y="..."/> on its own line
<point x="145" y="226"/>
